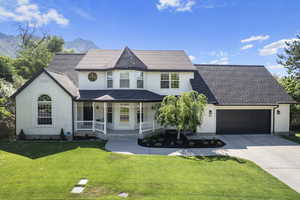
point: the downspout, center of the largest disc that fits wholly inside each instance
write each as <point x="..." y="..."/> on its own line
<point x="72" y="119"/>
<point x="277" y="106"/>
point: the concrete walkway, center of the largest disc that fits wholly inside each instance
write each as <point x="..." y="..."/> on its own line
<point x="278" y="156"/>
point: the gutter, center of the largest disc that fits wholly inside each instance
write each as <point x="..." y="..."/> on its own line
<point x="275" y="107"/>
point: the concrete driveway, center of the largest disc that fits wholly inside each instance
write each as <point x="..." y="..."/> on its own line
<point x="278" y="156"/>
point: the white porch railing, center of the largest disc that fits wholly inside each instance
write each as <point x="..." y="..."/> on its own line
<point x="147" y="126"/>
<point x="84" y="125"/>
<point x="95" y="126"/>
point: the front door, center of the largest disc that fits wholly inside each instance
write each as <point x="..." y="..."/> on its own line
<point x="87" y="111"/>
<point x="125" y="117"/>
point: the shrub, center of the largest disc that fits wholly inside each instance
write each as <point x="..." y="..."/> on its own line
<point x="62" y="134"/>
<point x="22" y="135"/>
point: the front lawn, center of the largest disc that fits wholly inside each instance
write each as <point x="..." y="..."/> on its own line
<point x="295" y="138"/>
<point x="49" y="170"/>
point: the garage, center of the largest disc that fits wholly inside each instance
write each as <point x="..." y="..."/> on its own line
<point x="243" y="121"/>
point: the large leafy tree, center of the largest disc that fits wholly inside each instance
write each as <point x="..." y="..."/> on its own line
<point x="37" y="49"/>
<point x="6" y="68"/>
<point x="184" y="112"/>
<point x="290" y="59"/>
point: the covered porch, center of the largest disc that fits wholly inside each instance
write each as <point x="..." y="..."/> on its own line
<point x="101" y="119"/>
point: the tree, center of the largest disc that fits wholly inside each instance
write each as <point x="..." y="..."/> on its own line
<point x="291" y="58"/>
<point x="184" y="112"/>
<point x="36" y="50"/>
<point x="6" y="68"/>
<point x="55" y="44"/>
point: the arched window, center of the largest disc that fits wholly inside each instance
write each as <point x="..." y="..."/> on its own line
<point x="44" y="110"/>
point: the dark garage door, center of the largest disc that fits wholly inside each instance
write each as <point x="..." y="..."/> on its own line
<point x="243" y="121"/>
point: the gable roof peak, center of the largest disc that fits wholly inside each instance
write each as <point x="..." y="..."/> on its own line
<point x="129" y="60"/>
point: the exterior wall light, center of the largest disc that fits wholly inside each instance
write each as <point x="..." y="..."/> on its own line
<point x="210" y="113"/>
<point x="278" y="112"/>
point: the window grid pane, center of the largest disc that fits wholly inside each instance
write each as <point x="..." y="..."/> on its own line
<point x="164" y="80"/>
<point x="44" y="112"/>
<point x="124" y="80"/>
<point x="124" y="113"/>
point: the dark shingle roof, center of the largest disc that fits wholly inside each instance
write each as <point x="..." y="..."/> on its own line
<point x="66" y="63"/>
<point x="119" y="95"/>
<point x="101" y="59"/>
<point x="239" y="85"/>
<point x="65" y="82"/>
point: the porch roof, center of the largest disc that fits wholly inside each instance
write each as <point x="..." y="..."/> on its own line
<point x="119" y="95"/>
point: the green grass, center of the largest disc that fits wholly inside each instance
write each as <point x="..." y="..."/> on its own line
<point x="49" y="170"/>
<point x="295" y="138"/>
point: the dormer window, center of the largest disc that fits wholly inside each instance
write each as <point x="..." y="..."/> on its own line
<point x="140" y="80"/>
<point x="124" y="79"/>
<point x="109" y="79"/>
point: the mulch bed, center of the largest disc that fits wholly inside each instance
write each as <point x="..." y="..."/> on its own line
<point x="169" y="140"/>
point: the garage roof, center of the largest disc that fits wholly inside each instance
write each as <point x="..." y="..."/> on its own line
<point x="239" y="85"/>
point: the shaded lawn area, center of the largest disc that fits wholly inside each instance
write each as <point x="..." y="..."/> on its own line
<point x="49" y="170"/>
<point x="295" y="138"/>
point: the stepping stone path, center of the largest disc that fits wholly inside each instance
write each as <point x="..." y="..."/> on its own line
<point x="80" y="186"/>
<point x="123" y="195"/>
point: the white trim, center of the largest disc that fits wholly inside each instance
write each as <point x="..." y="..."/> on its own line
<point x="35" y="110"/>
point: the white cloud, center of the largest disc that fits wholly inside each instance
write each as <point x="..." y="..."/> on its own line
<point x="29" y="12"/>
<point x="255" y="38"/>
<point x="218" y="53"/>
<point x="248" y="46"/>
<point x="192" y="57"/>
<point x="273" y="48"/>
<point x="83" y="13"/>
<point x="274" y="66"/>
<point x="22" y="2"/>
<point x="221" y="61"/>
<point x="177" y="5"/>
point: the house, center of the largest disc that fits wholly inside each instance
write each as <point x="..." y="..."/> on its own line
<point x="104" y="92"/>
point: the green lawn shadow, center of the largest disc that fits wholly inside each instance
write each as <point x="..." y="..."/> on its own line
<point x="39" y="149"/>
<point x="214" y="158"/>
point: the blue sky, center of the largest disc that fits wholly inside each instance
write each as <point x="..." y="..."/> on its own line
<point x="210" y="31"/>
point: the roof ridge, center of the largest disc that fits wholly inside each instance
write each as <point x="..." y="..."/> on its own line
<point x="62" y="53"/>
<point x="228" y="65"/>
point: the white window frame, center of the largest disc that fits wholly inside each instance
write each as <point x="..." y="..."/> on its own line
<point x="177" y="80"/>
<point x="127" y="78"/>
<point x="109" y="77"/>
<point x="127" y="114"/>
<point x="38" y="103"/>
<point x="170" y="81"/>
<point x="110" y="112"/>
<point x="139" y="78"/>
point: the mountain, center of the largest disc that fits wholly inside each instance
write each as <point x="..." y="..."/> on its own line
<point x="80" y="45"/>
<point x="9" y="45"/>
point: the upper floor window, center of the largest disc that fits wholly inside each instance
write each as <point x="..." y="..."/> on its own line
<point x="174" y="80"/>
<point x="169" y="80"/>
<point x="109" y="79"/>
<point x="44" y="110"/>
<point x="124" y="80"/>
<point x="92" y="76"/>
<point x="164" y="80"/>
<point x="140" y="80"/>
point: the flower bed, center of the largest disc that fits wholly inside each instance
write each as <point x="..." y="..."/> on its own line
<point x="169" y="140"/>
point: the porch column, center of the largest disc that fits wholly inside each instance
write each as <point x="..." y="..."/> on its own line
<point x="140" y="131"/>
<point x="75" y="115"/>
<point x="93" y="116"/>
<point x="105" y="118"/>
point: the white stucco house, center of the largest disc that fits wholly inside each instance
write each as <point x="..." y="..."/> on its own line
<point x="106" y="92"/>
